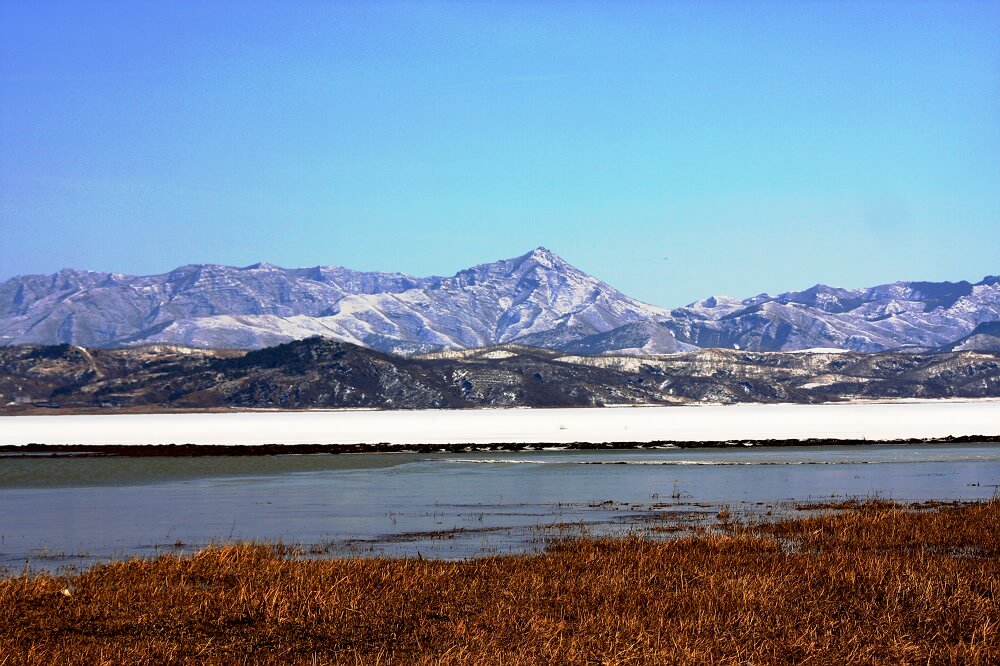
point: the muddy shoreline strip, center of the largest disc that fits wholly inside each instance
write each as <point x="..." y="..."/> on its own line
<point x="196" y="450"/>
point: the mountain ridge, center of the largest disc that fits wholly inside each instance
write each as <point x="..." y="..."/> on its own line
<point x="323" y="373"/>
<point x="536" y="299"/>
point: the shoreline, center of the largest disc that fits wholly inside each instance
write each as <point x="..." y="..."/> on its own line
<point x="40" y="450"/>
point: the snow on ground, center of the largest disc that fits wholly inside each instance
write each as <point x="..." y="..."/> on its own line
<point x="898" y="420"/>
<point x="623" y="363"/>
<point x="497" y="353"/>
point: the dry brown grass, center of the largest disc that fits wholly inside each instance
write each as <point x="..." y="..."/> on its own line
<point x="876" y="584"/>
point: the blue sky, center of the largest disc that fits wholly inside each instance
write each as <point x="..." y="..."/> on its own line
<point x="673" y="149"/>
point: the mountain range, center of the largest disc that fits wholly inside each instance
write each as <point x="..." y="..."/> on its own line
<point x="535" y="300"/>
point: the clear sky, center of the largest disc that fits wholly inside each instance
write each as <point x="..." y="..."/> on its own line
<point x="673" y="149"/>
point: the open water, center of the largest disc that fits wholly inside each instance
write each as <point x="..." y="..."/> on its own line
<point x="59" y="513"/>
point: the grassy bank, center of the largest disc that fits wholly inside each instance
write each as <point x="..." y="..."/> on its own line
<point x="877" y="583"/>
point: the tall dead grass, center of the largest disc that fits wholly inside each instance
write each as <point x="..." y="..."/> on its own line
<point x="877" y="584"/>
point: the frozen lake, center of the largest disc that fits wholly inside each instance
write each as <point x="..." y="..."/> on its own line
<point x="855" y="421"/>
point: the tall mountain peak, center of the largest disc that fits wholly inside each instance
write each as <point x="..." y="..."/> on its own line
<point x="544" y="255"/>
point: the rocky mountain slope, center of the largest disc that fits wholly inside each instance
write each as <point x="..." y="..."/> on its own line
<point x="319" y="372"/>
<point x="918" y="315"/>
<point x="536" y="300"/>
<point x="538" y="297"/>
<point x="985" y="338"/>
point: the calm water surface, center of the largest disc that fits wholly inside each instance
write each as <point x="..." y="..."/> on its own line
<point x="63" y="512"/>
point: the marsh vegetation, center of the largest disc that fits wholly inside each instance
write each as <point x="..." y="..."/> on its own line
<point x="872" y="582"/>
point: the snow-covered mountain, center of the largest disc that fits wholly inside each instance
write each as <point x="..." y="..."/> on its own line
<point x="985" y="338"/>
<point x="917" y="315"/>
<point x="536" y="297"/>
<point x="534" y="300"/>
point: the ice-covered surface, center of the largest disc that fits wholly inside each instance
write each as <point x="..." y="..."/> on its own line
<point x="878" y="421"/>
